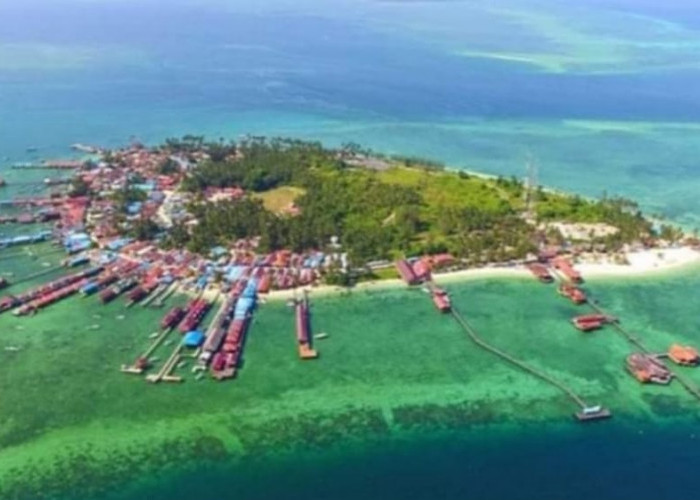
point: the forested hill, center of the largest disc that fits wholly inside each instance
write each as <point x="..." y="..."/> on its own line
<point x="377" y="207"/>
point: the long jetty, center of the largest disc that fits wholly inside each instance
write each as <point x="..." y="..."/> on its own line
<point x="156" y="293"/>
<point x="135" y="369"/>
<point x="476" y="338"/>
<point x="636" y="341"/>
<point x="303" y="327"/>
<point x="160" y="301"/>
<point x="49" y="165"/>
<point x="165" y="372"/>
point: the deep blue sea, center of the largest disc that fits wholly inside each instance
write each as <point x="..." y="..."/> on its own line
<point x="605" y="94"/>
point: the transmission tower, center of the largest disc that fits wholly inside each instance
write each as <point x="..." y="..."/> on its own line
<point x="531" y="187"/>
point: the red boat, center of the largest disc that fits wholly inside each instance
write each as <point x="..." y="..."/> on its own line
<point x="225" y="363"/>
<point x="195" y="313"/>
<point x="49" y="298"/>
<point x="441" y="300"/>
<point x="590" y="322"/>
<point x="7" y="303"/>
<point x="172" y="318"/>
<point x="141" y="292"/>
<point x="49" y="288"/>
<point x="540" y="272"/>
<point x="109" y="294"/>
<point x="574" y="293"/>
<point x="564" y="266"/>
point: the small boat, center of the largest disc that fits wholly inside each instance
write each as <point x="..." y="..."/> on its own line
<point x="573" y="293"/>
<point x="590" y="413"/>
<point x="321" y="336"/>
<point x="541" y="272"/>
<point x="590" y="322"/>
<point x="11" y="348"/>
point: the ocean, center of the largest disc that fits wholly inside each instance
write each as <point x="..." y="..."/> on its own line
<point x="400" y="405"/>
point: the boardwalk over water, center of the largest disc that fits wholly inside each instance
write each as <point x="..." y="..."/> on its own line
<point x="693" y="389"/>
<point x="476" y="338"/>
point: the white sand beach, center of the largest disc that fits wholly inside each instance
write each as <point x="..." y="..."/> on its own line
<point x="639" y="264"/>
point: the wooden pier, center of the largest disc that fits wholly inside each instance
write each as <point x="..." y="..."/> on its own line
<point x="156" y="293"/>
<point x="303" y="327"/>
<point x="637" y="342"/>
<point x="165" y="373"/>
<point x="166" y="294"/>
<point x="474" y="336"/>
<point x="147" y="354"/>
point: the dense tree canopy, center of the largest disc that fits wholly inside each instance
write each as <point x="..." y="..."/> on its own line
<point x="380" y="213"/>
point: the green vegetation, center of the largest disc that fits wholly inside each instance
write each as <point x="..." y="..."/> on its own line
<point x="144" y="229"/>
<point x="261" y="165"/>
<point x="169" y="167"/>
<point x="381" y="214"/>
<point x="124" y="197"/>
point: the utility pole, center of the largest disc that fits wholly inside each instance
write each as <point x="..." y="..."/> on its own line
<point x="531" y="187"/>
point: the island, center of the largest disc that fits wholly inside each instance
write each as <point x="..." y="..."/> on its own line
<point x="228" y="222"/>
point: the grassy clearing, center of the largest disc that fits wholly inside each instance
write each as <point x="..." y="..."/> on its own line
<point x="278" y="199"/>
<point x="446" y="189"/>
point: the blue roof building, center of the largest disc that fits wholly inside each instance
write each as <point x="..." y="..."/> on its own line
<point x="193" y="339"/>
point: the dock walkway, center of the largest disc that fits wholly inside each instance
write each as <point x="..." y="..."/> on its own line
<point x="474" y="336"/>
<point x="636" y="341"/>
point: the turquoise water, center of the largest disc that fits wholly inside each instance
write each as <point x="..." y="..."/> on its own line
<point x="400" y="404"/>
<point x="604" y="96"/>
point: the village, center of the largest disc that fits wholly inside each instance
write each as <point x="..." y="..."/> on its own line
<point x="116" y="210"/>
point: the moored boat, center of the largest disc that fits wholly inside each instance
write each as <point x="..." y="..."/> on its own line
<point x="109" y="294"/>
<point x="441" y="300"/>
<point x="540" y="272"/>
<point x="573" y="293"/>
<point x="172" y="317"/>
<point x="590" y="322"/>
<point x="564" y="266"/>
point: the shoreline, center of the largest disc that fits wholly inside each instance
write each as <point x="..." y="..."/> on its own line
<point x="642" y="264"/>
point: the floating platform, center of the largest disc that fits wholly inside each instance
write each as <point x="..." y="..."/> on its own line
<point x="592" y="413"/>
<point x="683" y="355"/>
<point x="648" y="369"/>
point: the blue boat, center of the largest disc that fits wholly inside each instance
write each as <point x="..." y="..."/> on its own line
<point x="89" y="288"/>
